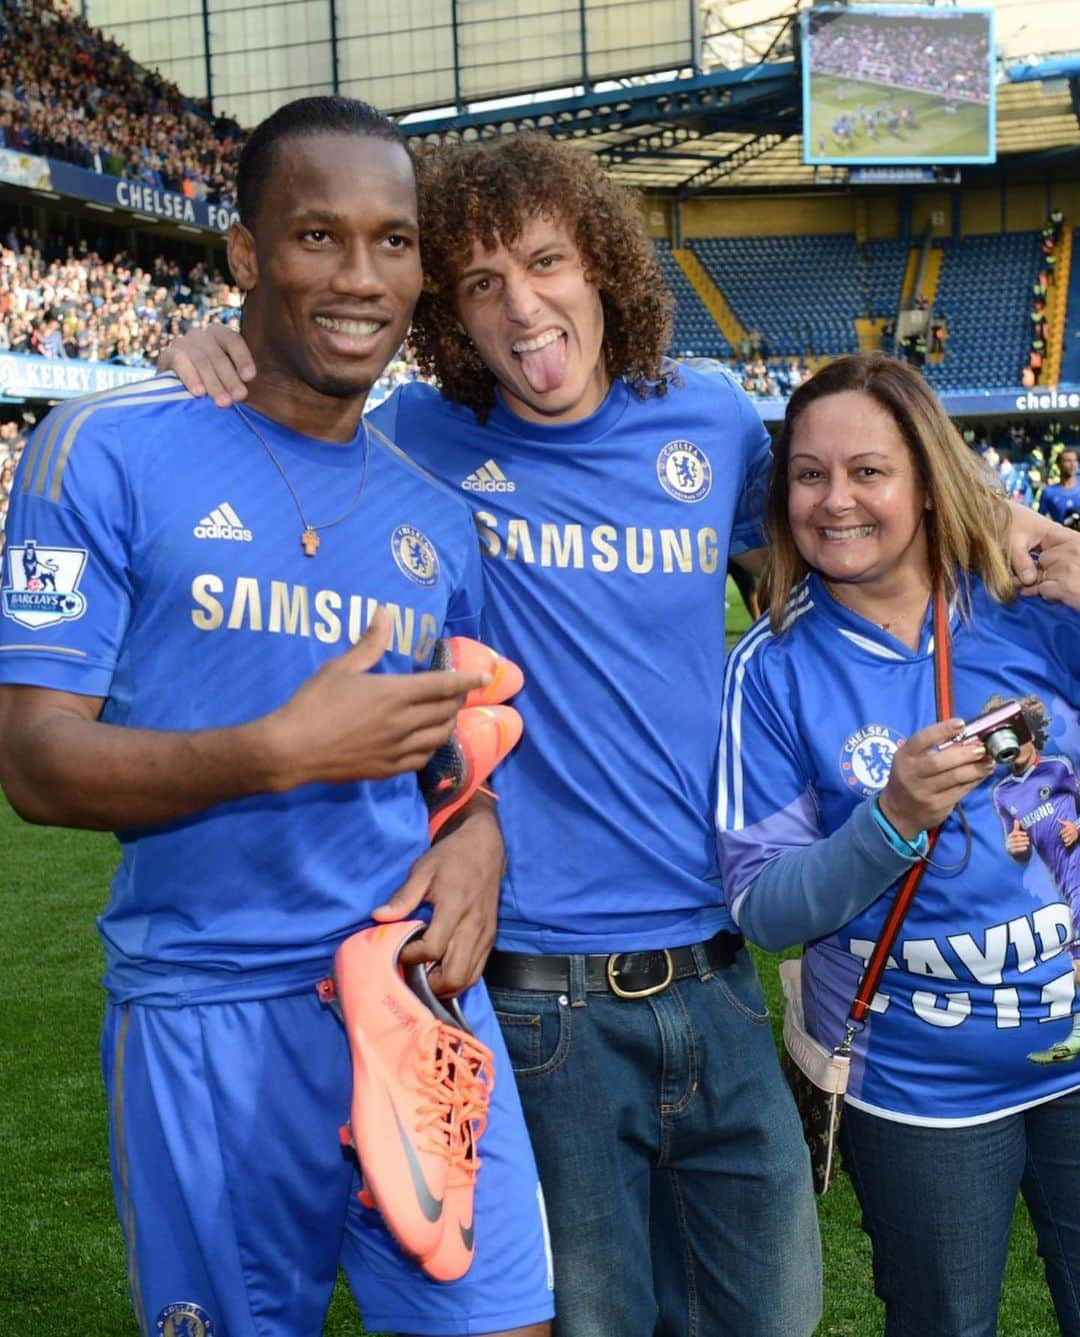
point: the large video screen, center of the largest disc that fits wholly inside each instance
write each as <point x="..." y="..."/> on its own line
<point x="897" y="85"/>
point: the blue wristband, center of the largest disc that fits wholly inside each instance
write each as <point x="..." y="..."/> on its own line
<point x="913" y="849"/>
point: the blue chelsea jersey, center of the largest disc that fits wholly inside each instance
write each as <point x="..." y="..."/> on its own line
<point x="981" y="974"/>
<point x="1060" y="503"/>
<point x="154" y="560"/>
<point x="605" y="546"/>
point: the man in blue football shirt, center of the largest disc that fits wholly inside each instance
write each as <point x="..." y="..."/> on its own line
<point x="185" y="680"/>
<point x="1061" y="500"/>
<point x="608" y="485"/>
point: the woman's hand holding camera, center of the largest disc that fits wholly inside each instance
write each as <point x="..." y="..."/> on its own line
<point x="927" y="781"/>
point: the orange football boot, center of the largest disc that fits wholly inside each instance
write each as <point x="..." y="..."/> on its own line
<point x="472" y="1078"/>
<point x="482" y="737"/>
<point x="404" y="1114"/>
<point x="472" y="1075"/>
<point x="469" y="656"/>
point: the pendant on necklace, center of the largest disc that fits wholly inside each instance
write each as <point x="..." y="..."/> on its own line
<point x="310" y="540"/>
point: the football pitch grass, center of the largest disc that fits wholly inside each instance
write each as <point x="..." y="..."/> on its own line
<point x="61" y="1251"/>
<point x="935" y="136"/>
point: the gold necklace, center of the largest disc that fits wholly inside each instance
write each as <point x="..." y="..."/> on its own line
<point x="309" y="535"/>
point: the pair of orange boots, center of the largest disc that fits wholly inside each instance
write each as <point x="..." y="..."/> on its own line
<point x="422" y="1081"/>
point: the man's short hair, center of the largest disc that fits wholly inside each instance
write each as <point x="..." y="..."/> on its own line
<point x="303" y="117"/>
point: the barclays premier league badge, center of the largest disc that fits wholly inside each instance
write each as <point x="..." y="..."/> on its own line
<point x="42" y="588"/>
<point x="866" y="758"/>
<point x="684" y="471"/>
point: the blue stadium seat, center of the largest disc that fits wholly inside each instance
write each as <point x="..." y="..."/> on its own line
<point x="695" y="333"/>
<point x="804" y="293"/>
<point x="984" y="294"/>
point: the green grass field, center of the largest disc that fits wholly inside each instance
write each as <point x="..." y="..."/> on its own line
<point x="61" y="1253"/>
<point x="936" y="134"/>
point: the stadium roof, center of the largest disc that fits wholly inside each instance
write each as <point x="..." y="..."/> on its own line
<point x="1033" y="119"/>
<point x="735" y="123"/>
<point x="727" y="117"/>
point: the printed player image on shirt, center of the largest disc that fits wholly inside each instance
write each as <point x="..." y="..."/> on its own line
<point x="1038" y="803"/>
<point x="974" y="1016"/>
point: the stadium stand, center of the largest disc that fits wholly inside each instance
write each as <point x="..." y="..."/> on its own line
<point x="801" y="293"/>
<point x="804" y="293"/>
<point x="882" y="278"/>
<point x="695" y="332"/>
<point x="1070" y="362"/>
<point x="69" y="92"/>
<point x="63" y="301"/>
<point x="983" y="294"/>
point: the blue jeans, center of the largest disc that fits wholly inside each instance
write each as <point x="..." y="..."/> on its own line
<point x="671" y="1158"/>
<point x="938" y="1206"/>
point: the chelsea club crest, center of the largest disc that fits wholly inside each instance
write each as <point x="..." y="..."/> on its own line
<point x="415" y="555"/>
<point x="184" y="1318"/>
<point x="684" y="471"/>
<point x="866" y="758"/>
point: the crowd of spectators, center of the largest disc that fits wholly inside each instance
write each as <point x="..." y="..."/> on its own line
<point x="63" y="300"/>
<point x="14" y="434"/>
<point x="1023" y="458"/>
<point x="1031" y="372"/>
<point x="67" y="91"/>
<point x="770" y="379"/>
<point x="948" y="56"/>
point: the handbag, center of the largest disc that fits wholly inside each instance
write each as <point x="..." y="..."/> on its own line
<point x="818" y="1078"/>
<point x="817" y="1075"/>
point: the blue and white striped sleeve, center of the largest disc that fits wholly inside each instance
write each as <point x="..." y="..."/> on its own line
<point x="785" y="880"/>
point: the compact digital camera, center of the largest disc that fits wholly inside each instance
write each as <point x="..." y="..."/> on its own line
<point x="1003" y="732"/>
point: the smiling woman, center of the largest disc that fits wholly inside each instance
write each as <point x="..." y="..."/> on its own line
<point x="870" y="479"/>
<point x="965" y="1079"/>
<point x="856" y="506"/>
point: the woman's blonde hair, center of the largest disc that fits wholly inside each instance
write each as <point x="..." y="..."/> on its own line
<point x="966" y="523"/>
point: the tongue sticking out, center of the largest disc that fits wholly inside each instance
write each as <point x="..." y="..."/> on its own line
<point x="545" y="368"/>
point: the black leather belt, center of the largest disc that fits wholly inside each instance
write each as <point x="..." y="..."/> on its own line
<point x="625" y="974"/>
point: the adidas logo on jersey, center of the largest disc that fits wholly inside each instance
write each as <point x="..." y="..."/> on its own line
<point x="222" y="523"/>
<point x="488" y="478"/>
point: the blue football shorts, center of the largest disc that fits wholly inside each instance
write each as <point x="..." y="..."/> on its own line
<point x="238" y="1201"/>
